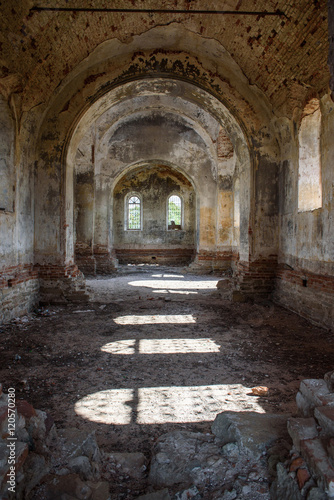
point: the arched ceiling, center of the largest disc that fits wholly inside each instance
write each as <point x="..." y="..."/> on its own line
<point x="137" y="103"/>
<point x="283" y="56"/>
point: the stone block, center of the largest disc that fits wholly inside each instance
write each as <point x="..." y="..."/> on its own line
<point x="35" y="468"/>
<point x="304" y="406"/>
<point x="316" y="391"/>
<point x="76" y="443"/>
<point x="253" y="432"/>
<point x="66" y="487"/>
<point x="81" y="465"/>
<point x="177" y="456"/>
<point x="331" y="449"/>
<point x="313" y="393"/>
<point x="100" y="490"/>
<point x="314" y="453"/>
<point x="132" y="464"/>
<point x="285" y="487"/>
<point x="325" y="418"/>
<point x="317" y="494"/>
<point x="300" y="429"/>
<point x="329" y="379"/>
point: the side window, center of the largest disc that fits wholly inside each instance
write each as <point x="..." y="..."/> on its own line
<point x="7" y="171"/>
<point x="133" y="213"/>
<point x="174" y="212"/>
<point x="309" y="175"/>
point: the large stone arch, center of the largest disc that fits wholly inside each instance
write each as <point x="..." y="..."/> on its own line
<point x="94" y="89"/>
<point x="158" y="100"/>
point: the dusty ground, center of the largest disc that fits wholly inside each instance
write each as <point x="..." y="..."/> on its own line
<point x="155" y="350"/>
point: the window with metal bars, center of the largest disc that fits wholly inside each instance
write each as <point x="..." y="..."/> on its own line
<point x="133" y="213"/>
<point x="174" y="212"/>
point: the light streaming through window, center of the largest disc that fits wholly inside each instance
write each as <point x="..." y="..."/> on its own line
<point x="134" y="219"/>
<point x="174" y="212"/>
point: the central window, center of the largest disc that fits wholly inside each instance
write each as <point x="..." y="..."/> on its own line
<point x="174" y="212"/>
<point x="134" y="212"/>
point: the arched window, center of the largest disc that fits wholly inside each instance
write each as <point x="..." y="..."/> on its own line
<point x="174" y="212"/>
<point x="133" y="212"/>
<point x="7" y="170"/>
<point x="309" y="181"/>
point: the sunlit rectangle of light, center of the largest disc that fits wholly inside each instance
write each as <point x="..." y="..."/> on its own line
<point x="176" y="284"/>
<point x="113" y="406"/>
<point x="179" y="292"/>
<point x="155" y="319"/>
<point x="160" y="346"/>
<point x="174" y="346"/>
<point x="120" y="347"/>
<point x="159" y="405"/>
<point x="167" y="276"/>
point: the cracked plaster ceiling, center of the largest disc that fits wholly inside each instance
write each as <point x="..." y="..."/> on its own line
<point x="285" y="56"/>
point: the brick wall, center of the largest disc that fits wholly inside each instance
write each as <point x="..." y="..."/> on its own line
<point x="23" y="287"/>
<point x="19" y="287"/>
<point x="256" y="279"/>
<point x="308" y="294"/>
<point x="172" y="256"/>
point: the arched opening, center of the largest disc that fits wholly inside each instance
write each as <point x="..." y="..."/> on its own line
<point x="160" y="123"/>
<point x="175" y="211"/>
<point x="155" y="243"/>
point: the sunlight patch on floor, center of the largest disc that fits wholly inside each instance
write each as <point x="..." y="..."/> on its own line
<point x="160" y="405"/>
<point x="155" y="319"/>
<point x="120" y="347"/>
<point x="176" y="285"/>
<point x="107" y="407"/>
<point x="167" y="276"/>
<point x="179" y="292"/>
<point x="161" y="346"/>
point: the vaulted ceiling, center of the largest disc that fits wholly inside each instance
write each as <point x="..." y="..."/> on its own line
<point x="281" y="46"/>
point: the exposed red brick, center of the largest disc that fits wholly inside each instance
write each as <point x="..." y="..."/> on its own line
<point x="25" y="409"/>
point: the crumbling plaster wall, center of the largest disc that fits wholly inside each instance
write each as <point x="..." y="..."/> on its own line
<point x="18" y="280"/>
<point x="306" y="259"/>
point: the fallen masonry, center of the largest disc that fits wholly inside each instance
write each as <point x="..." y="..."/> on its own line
<point x="247" y="456"/>
<point x="309" y="472"/>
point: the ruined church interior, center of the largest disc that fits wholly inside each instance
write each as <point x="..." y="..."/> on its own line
<point x="167" y="249"/>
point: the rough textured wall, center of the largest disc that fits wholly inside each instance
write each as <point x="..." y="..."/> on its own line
<point x="306" y="259"/>
<point x="18" y="280"/>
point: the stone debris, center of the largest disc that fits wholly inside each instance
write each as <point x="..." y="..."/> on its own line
<point x="248" y="456"/>
<point x="309" y="472"/>
<point x="48" y="463"/>
<point x="253" y="432"/>
<point x="223" y="465"/>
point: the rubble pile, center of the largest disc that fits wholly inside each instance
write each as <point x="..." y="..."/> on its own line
<point x="33" y="452"/>
<point x="247" y="456"/>
<point x="309" y="472"/>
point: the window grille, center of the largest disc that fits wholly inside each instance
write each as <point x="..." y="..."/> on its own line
<point x="174" y="212"/>
<point x="134" y="213"/>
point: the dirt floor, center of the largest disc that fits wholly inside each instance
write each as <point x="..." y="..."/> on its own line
<point x="155" y="350"/>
